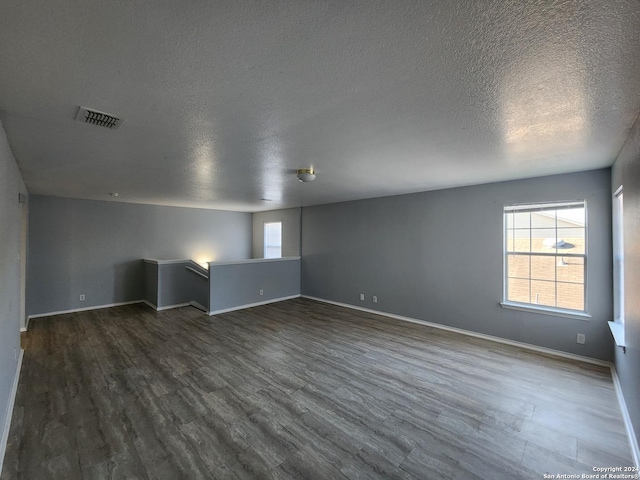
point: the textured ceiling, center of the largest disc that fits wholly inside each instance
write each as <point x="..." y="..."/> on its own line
<point x="223" y="100"/>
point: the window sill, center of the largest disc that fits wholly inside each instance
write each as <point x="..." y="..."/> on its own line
<point x="617" y="331"/>
<point x="546" y="311"/>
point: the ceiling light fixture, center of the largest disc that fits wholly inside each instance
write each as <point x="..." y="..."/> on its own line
<point x="306" y="175"/>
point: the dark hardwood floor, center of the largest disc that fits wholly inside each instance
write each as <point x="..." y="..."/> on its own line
<point x="298" y="389"/>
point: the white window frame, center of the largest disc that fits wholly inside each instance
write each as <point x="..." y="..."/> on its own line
<point x="617" y="326"/>
<point x="618" y="256"/>
<point x="266" y="245"/>
<point x="533" y="307"/>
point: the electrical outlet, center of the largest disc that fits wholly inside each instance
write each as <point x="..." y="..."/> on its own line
<point x="82" y="297"/>
<point x="375" y="299"/>
<point x="581" y="338"/>
<point x="362" y="297"/>
<point x="261" y="292"/>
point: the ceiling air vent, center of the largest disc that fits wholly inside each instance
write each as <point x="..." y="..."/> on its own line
<point x="98" y="118"/>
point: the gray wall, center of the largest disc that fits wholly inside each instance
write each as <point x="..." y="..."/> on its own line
<point x="438" y="256"/>
<point x="95" y="248"/>
<point x="237" y="284"/>
<point x="173" y="284"/>
<point x="626" y="172"/>
<point x="150" y="283"/>
<point x="290" y="219"/>
<point x="198" y="288"/>
<point x="177" y="285"/>
<point x="11" y="185"/>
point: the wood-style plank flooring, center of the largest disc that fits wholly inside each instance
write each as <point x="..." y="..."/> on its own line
<point x="298" y="389"/>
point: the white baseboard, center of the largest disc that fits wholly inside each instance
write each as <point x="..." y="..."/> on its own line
<point x="84" y="309"/>
<point x="177" y="305"/>
<point x="98" y="307"/>
<point x="631" y="434"/>
<point x="149" y="304"/>
<point x="9" y="412"/>
<point x="528" y="346"/>
<point x="26" y="326"/>
<point x="249" y="305"/>
<point x="169" y="307"/>
<point x="198" y="306"/>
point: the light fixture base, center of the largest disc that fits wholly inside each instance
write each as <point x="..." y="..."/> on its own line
<point x="306" y="175"/>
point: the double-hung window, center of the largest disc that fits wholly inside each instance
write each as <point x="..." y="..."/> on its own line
<point x="545" y="259"/>
<point x="273" y="240"/>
